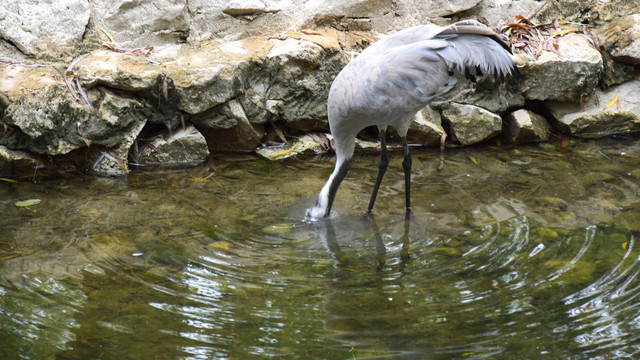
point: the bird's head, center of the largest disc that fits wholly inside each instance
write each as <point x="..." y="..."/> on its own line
<point x="320" y="208"/>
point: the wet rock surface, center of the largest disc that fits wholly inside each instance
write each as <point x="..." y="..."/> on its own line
<point x="526" y="126"/>
<point x="611" y="111"/>
<point x="565" y="74"/>
<point x="470" y="124"/>
<point x="239" y="78"/>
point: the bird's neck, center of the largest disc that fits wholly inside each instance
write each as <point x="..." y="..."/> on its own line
<point x="322" y="207"/>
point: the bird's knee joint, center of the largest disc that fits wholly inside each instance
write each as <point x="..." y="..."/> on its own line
<point x="406" y="164"/>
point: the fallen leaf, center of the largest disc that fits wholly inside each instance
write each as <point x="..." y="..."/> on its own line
<point x="279" y="132"/>
<point x="106" y="34"/>
<point x="27" y="203"/>
<point x="612" y="101"/>
<point x="285" y="152"/>
<point x="165" y="88"/>
<point x="82" y="136"/>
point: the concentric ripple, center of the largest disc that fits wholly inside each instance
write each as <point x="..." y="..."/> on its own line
<point x="521" y="253"/>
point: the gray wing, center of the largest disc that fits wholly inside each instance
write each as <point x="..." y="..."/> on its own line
<point x="400" y="74"/>
<point x="403" y="78"/>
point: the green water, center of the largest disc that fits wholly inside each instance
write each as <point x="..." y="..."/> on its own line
<point x="511" y="253"/>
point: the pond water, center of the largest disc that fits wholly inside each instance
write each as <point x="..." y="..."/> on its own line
<point x="525" y="252"/>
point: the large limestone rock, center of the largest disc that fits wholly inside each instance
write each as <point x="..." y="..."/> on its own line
<point x="585" y="11"/>
<point x="566" y="75"/>
<point x="228" y="129"/>
<point x="142" y="23"/>
<point x="232" y="67"/>
<point x="50" y="121"/>
<point x="238" y="19"/>
<point x="183" y="147"/>
<point x="497" y="12"/>
<point x="425" y="130"/>
<point x="45" y="119"/>
<point x="15" y="161"/>
<point x="40" y="108"/>
<point x="595" y="120"/>
<point x="471" y="124"/>
<point x="45" y="26"/>
<point x="526" y="126"/>
<point x="621" y="38"/>
<point x="489" y="94"/>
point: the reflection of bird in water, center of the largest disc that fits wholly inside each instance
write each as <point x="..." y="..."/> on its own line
<point x="364" y="304"/>
<point x="390" y="81"/>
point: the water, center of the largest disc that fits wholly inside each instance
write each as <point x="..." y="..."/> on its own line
<point x="527" y="253"/>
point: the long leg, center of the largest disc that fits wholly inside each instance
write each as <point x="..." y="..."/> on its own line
<point x="382" y="167"/>
<point x="406" y="165"/>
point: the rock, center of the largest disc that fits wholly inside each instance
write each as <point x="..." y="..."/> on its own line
<point x="184" y="147"/>
<point x="46" y="27"/>
<point x="17" y="80"/>
<point x="563" y="76"/>
<point x="614" y="73"/>
<point x="205" y="79"/>
<point x="15" y="162"/>
<point x="585" y="11"/>
<point x="470" y="124"/>
<point x="621" y="38"/>
<point x="280" y="230"/>
<point x="436" y="8"/>
<point x="447" y="251"/>
<point x="114" y="162"/>
<point x="129" y="116"/>
<point x="200" y="80"/>
<point x="250" y="7"/>
<point x="525" y="126"/>
<point x="552" y="202"/>
<point x="630" y="219"/>
<point x="497" y="12"/>
<point x="493" y="96"/>
<point x="118" y="71"/>
<point x="47" y="118"/>
<point x="49" y="121"/>
<point x="368" y="15"/>
<point x="577" y="273"/>
<point x="424" y="130"/>
<point x="140" y="23"/>
<point x="300" y="87"/>
<point x="227" y="129"/>
<point x="594" y="120"/>
<point x="310" y="143"/>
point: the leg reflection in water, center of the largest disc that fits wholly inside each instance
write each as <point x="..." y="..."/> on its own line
<point x="364" y="304"/>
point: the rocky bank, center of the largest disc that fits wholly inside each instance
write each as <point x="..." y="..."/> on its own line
<point x="98" y="85"/>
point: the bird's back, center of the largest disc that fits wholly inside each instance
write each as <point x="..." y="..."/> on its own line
<point x="401" y="73"/>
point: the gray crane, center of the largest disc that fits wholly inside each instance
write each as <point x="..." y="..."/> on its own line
<point x="391" y="80"/>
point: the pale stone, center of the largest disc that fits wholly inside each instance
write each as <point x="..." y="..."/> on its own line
<point x="525" y="126"/>
<point x="470" y="124"/>
<point x="45" y="25"/>
<point x="142" y="23"/>
<point x="594" y="119"/>
<point x="184" y="146"/>
<point x="567" y="75"/>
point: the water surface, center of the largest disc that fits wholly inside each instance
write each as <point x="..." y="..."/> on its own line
<point x="526" y="252"/>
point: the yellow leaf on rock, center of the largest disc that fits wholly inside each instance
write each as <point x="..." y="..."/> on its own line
<point x="612" y="101"/>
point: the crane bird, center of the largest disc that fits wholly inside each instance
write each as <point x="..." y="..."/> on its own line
<point x="395" y="77"/>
